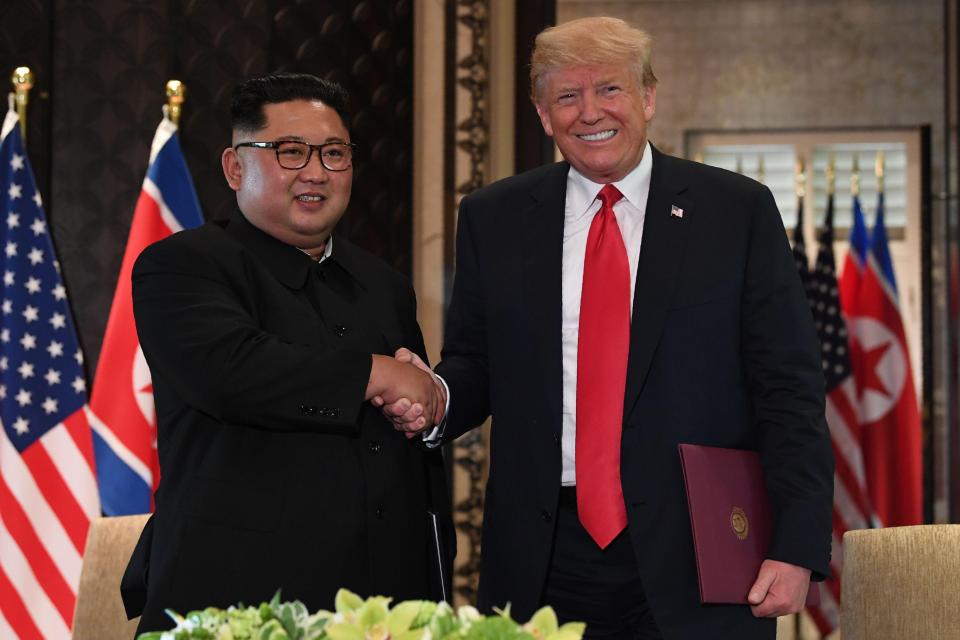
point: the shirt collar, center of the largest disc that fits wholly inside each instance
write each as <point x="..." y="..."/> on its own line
<point x="635" y="187"/>
<point x="327" y="250"/>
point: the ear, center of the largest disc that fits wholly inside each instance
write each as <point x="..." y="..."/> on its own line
<point x="232" y="167"/>
<point x="649" y="102"/>
<point x="544" y="114"/>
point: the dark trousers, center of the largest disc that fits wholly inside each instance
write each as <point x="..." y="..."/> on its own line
<point x="601" y="587"/>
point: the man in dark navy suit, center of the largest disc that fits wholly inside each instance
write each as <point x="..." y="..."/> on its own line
<point x="604" y="310"/>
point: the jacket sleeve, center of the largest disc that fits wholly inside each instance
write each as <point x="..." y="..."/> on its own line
<point x="464" y="364"/>
<point x="781" y="358"/>
<point x="198" y="328"/>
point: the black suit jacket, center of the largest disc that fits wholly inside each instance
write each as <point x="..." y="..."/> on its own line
<point x="275" y="474"/>
<point x="722" y="352"/>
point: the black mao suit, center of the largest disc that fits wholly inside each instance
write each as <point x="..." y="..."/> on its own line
<point x="274" y="471"/>
<point x="722" y="352"/>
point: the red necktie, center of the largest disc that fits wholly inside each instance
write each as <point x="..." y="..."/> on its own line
<point x="602" y="374"/>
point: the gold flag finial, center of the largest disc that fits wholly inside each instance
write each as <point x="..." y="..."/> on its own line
<point x="739" y="168"/>
<point x="22" y="79"/>
<point x="761" y="173"/>
<point x="878" y="169"/>
<point x="698" y="157"/>
<point x="855" y="176"/>
<point x="176" y="94"/>
<point x="801" y="178"/>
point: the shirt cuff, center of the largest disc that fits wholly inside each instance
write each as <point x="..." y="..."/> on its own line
<point x="435" y="437"/>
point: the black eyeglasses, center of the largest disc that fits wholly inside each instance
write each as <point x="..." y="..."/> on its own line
<point x="291" y="154"/>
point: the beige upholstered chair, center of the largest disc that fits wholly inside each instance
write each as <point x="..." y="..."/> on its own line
<point x="99" y="613"/>
<point x="901" y="582"/>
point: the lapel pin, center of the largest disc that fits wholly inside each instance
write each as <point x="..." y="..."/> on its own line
<point x="676" y="211"/>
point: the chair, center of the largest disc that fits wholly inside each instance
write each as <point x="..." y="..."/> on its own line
<point x="901" y="582"/>
<point x="99" y="614"/>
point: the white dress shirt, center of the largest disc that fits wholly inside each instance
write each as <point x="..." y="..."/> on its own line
<point x="581" y="206"/>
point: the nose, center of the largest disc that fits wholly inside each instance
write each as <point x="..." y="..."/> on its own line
<point x="314" y="171"/>
<point x="590" y="112"/>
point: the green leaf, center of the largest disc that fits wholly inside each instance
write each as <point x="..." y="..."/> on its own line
<point x="402" y="616"/>
<point x="372" y="612"/>
<point x="496" y="628"/>
<point x="544" y="621"/>
<point x="344" y="631"/>
<point x="426" y="613"/>
<point x="569" y="631"/>
<point x="273" y="630"/>
<point x="346" y="601"/>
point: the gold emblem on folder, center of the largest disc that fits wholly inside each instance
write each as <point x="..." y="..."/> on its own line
<point x="739" y="523"/>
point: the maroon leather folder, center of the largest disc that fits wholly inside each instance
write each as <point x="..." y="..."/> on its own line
<point x="731" y="518"/>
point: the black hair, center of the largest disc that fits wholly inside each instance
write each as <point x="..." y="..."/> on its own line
<point x="250" y="96"/>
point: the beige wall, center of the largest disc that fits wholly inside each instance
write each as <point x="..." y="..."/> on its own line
<point x="749" y="64"/>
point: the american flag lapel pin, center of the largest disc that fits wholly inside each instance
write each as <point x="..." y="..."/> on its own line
<point x="676" y="212"/>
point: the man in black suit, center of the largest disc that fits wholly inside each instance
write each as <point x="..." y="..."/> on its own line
<point x="603" y="325"/>
<point x="265" y="337"/>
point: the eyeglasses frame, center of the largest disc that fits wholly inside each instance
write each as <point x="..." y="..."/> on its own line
<point x="275" y="145"/>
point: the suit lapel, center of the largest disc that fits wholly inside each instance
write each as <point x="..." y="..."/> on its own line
<point x="661" y="254"/>
<point x="542" y="244"/>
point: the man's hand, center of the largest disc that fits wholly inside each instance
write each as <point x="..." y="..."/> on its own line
<point x="403" y="384"/>
<point x="406" y="414"/>
<point x="780" y="589"/>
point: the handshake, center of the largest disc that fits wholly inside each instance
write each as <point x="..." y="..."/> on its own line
<point x="407" y="392"/>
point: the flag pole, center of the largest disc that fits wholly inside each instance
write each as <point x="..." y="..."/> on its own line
<point x="831" y="175"/>
<point x="855" y="176"/>
<point x="801" y="177"/>
<point x="176" y="94"/>
<point x="878" y="171"/>
<point x="761" y="171"/>
<point x="22" y="79"/>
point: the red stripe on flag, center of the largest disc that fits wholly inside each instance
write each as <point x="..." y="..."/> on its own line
<point x="43" y="566"/>
<point x="819" y="619"/>
<point x="54" y="488"/>
<point x="79" y="430"/>
<point x="15" y="612"/>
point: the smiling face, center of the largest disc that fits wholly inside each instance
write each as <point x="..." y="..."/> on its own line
<point x="299" y="207"/>
<point x="598" y="116"/>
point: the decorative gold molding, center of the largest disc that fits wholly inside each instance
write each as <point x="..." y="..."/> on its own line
<point x="471" y="169"/>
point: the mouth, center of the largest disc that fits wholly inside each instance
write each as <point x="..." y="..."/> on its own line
<point x="310" y="197"/>
<point x="600" y="136"/>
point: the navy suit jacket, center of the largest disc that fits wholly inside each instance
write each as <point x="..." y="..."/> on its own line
<point x="722" y="352"/>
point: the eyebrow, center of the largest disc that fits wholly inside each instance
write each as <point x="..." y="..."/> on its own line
<point x="329" y="140"/>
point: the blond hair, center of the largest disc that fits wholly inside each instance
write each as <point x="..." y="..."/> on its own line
<point x="589" y="41"/>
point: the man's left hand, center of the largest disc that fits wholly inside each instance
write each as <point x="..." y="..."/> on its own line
<point x="780" y="589"/>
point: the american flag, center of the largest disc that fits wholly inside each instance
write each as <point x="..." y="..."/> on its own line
<point x="48" y="488"/>
<point x="123" y="416"/>
<point x="850" y="503"/>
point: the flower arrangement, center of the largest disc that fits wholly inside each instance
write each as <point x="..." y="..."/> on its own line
<point x="358" y="619"/>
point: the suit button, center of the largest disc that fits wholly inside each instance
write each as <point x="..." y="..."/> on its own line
<point x="340" y="330"/>
<point x="307" y="410"/>
<point x="379" y="513"/>
<point x="373" y="446"/>
<point x="545" y="515"/>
